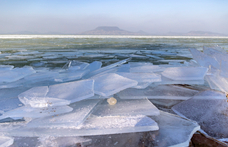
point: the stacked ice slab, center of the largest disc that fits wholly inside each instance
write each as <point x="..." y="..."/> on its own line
<point x="83" y="107"/>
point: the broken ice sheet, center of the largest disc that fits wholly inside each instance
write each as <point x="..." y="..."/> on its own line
<point x="203" y="59"/>
<point x="95" y="126"/>
<point x="165" y="80"/>
<point x="15" y="74"/>
<point x="174" y="130"/>
<point x="185" y="73"/>
<point x="210" y="113"/>
<point x="145" y="68"/>
<point x="126" y="108"/>
<point x="72" y="91"/>
<point x="27" y="111"/>
<point x="81" y="111"/>
<point x="158" y="92"/>
<point x="111" y="83"/>
<point x="6" y="141"/>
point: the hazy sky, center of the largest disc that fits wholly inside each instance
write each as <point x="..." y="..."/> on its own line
<point x="152" y="16"/>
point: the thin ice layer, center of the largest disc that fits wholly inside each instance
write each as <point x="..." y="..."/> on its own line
<point x="185" y="73"/>
<point x="203" y="59"/>
<point x="72" y="91"/>
<point x="141" y="77"/>
<point x="111" y="83"/>
<point x="126" y="107"/>
<point x="6" y="141"/>
<point x="96" y="126"/>
<point x="158" y="92"/>
<point x="211" y="114"/>
<point x="80" y="112"/>
<point x="26" y="111"/>
<point x="165" y="80"/>
<point x="173" y="130"/>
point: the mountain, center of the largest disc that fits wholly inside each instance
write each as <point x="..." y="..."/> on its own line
<point x="111" y="30"/>
<point x="195" y="33"/>
<point x="202" y="33"/>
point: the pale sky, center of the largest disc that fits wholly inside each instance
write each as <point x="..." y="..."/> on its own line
<point x="76" y="16"/>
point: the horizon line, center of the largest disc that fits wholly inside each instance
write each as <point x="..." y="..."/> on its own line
<point x="24" y="36"/>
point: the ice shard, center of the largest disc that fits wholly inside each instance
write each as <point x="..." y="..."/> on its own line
<point x="173" y="130"/>
<point x="15" y="74"/>
<point x="165" y="80"/>
<point x="218" y="53"/>
<point x="94" y="66"/>
<point x="76" y="65"/>
<point x="71" y="75"/>
<point x="126" y="108"/>
<point x="95" y="126"/>
<point x="103" y="69"/>
<point x="72" y="91"/>
<point x="27" y="111"/>
<point x="209" y="109"/>
<point x="73" y="119"/>
<point x="145" y="68"/>
<point x="158" y="92"/>
<point x="185" y="73"/>
<point x="111" y="83"/>
<point x="217" y="82"/>
<point x="143" y="79"/>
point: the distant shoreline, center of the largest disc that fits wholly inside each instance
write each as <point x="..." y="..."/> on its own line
<point x="99" y="36"/>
